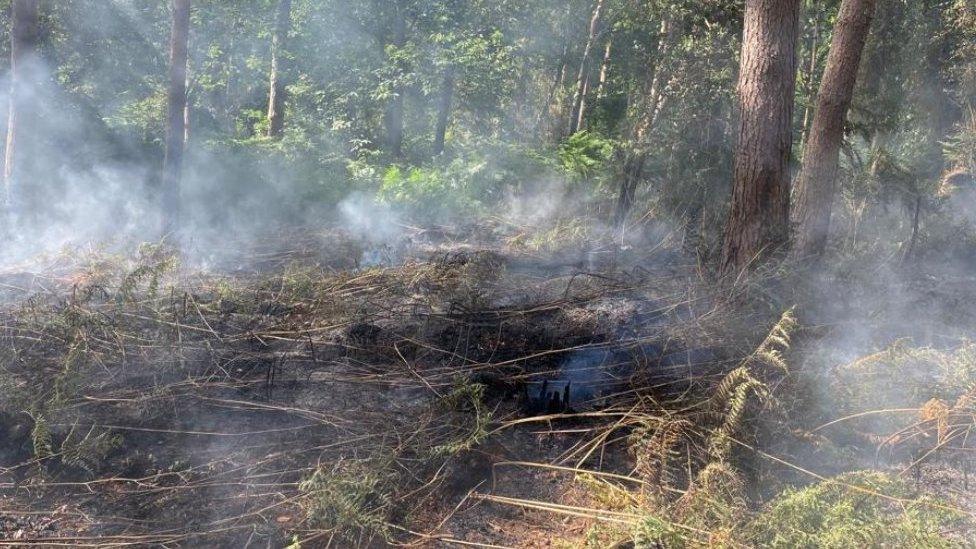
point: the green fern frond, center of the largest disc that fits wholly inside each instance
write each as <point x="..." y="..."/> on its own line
<point x="41" y="438"/>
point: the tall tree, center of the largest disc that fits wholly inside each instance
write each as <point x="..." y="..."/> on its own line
<point x="276" y="95"/>
<point x="815" y="184"/>
<point x="759" y="217"/>
<point x="444" y="109"/>
<point x="24" y="38"/>
<point x="394" y="110"/>
<point x="175" y="115"/>
<point x="583" y="77"/>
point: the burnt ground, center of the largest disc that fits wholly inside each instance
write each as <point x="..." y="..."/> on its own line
<point x="315" y="389"/>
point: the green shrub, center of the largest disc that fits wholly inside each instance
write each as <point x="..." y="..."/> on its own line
<point x="585" y="153"/>
<point x="863" y="509"/>
<point x="433" y="191"/>
<point x="351" y="498"/>
<point x="901" y="377"/>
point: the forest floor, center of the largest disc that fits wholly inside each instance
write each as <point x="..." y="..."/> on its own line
<point x="487" y="387"/>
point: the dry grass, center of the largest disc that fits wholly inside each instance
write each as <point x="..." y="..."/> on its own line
<point x="176" y="406"/>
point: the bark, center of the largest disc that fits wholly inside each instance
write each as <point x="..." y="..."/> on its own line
<point x="24" y="38"/>
<point x="815" y="184"/>
<point x="394" y="111"/>
<point x="582" y="78"/>
<point x="444" y="110"/>
<point x="632" y="173"/>
<point x="758" y="221"/>
<point x="276" y="94"/>
<point x="175" y="116"/>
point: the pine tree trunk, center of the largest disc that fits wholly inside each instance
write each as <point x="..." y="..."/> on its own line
<point x="394" y="111"/>
<point x="175" y="116"/>
<point x="582" y="78"/>
<point x="444" y="110"/>
<point x="815" y="184"/>
<point x="276" y="94"/>
<point x="24" y="38"/>
<point x="759" y="217"/>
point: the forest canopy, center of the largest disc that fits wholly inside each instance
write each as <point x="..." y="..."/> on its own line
<point x="449" y="109"/>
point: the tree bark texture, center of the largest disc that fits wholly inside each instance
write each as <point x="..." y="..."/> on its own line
<point x="444" y="110"/>
<point x="758" y="221"/>
<point x="816" y="182"/>
<point x="175" y="116"/>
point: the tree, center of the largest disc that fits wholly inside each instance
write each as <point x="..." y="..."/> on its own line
<point x="24" y="38"/>
<point x="583" y="77"/>
<point x="394" y="110"/>
<point x="276" y="95"/>
<point x="815" y="184"/>
<point x="649" y="106"/>
<point x="758" y="221"/>
<point x="444" y="109"/>
<point x="175" y="115"/>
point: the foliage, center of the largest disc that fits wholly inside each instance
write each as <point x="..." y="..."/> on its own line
<point x="349" y="498"/>
<point x="153" y="262"/>
<point x="865" y="509"/>
<point x="466" y="397"/>
<point x="584" y="153"/>
<point x="904" y="376"/>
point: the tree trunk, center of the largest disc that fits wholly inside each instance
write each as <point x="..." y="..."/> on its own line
<point x="635" y="158"/>
<point x="394" y="111"/>
<point x="632" y="172"/>
<point x="24" y="38"/>
<point x="759" y="217"/>
<point x="601" y="82"/>
<point x="444" y="110"/>
<point x="604" y="70"/>
<point x="815" y="184"/>
<point x="276" y="94"/>
<point x="176" y="105"/>
<point x="582" y="78"/>
<point x="547" y="122"/>
<point x="187" y="107"/>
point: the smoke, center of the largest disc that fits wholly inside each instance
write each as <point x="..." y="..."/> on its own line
<point x="365" y="217"/>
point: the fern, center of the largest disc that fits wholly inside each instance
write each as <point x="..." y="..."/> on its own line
<point x="41" y="437"/>
<point x="466" y="396"/>
<point x="89" y="450"/>
<point x="655" y="444"/>
<point x="729" y="402"/>
<point x="154" y="265"/>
